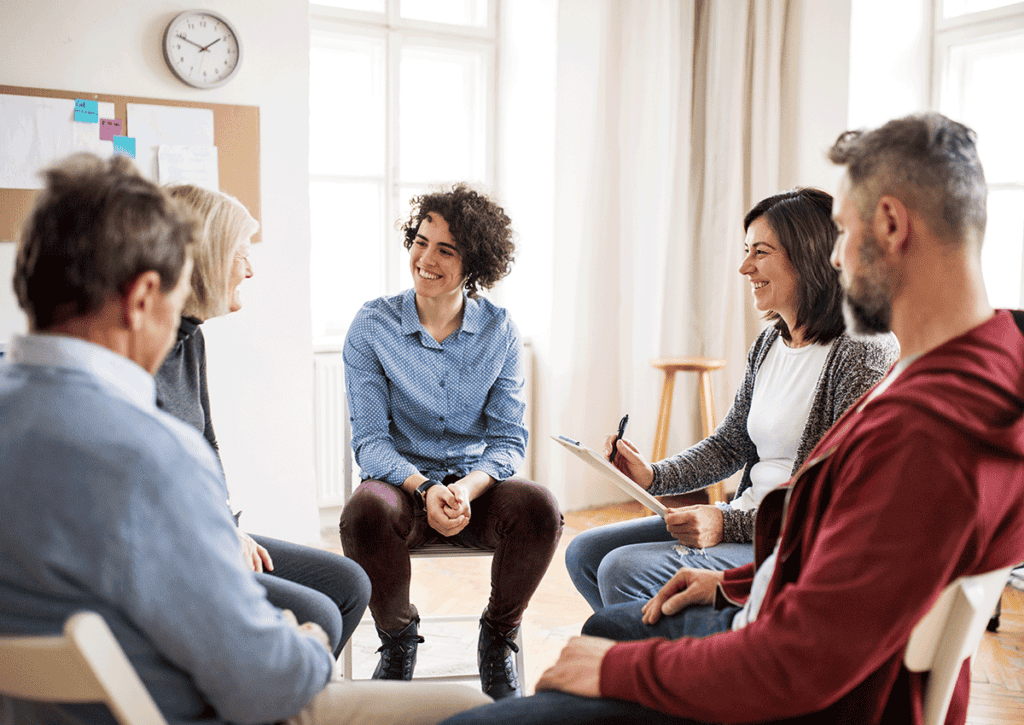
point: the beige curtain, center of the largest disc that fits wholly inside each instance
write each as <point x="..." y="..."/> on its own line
<point x="668" y="132"/>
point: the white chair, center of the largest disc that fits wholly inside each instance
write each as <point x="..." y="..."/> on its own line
<point x="950" y="633"/>
<point x="85" y="664"/>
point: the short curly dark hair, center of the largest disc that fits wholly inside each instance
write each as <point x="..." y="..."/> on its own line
<point x="481" y="229"/>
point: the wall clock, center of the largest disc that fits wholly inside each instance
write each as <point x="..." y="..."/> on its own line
<point x="202" y="48"/>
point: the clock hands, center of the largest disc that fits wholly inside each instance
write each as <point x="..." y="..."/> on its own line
<point x="201" y="48"/>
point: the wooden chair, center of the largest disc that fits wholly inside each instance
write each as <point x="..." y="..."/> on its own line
<point x="84" y="664"/>
<point x="703" y="367"/>
<point x="950" y="633"/>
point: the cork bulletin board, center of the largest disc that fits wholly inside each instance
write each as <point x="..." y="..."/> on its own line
<point x="236" y="131"/>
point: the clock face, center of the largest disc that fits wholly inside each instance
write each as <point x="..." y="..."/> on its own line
<point x="202" y="49"/>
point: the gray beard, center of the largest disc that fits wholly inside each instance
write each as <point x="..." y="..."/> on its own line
<point x="865" y="322"/>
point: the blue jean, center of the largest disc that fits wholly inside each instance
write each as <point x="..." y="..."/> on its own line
<point x="318" y="586"/>
<point x="620" y="622"/>
<point x="631" y="560"/>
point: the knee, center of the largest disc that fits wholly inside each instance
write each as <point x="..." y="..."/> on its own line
<point x="373" y="509"/>
<point x="607" y="623"/>
<point x="536" y="509"/>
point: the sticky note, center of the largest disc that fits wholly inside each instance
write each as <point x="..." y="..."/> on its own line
<point x="87" y="111"/>
<point x="124" y="146"/>
<point x="109" y="127"/>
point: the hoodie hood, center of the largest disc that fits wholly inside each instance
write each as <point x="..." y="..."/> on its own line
<point x="989" y="367"/>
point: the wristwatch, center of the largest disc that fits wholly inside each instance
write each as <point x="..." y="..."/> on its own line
<point x="421" y="492"/>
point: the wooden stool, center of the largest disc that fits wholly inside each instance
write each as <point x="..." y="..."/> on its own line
<point x="703" y="367"/>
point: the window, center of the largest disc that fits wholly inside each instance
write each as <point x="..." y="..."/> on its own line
<point x="979" y="61"/>
<point x="402" y="99"/>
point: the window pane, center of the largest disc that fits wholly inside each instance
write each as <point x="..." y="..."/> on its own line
<point x="454" y="12"/>
<point x="347" y="259"/>
<point x="1001" y="257"/>
<point x="370" y="6"/>
<point x="977" y="93"/>
<point x="347" y="105"/>
<point x="954" y="8"/>
<point x="442" y="115"/>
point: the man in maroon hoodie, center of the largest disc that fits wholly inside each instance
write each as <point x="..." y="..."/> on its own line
<point x="919" y="483"/>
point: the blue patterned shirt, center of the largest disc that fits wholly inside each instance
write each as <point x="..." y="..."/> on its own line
<point x="418" y="405"/>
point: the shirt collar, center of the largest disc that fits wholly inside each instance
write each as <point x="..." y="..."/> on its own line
<point x="73" y="353"/>
<point x="472" y="314"/>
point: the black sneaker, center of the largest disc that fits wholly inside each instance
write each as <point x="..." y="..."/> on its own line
<point x="398" y="652"/>
<point x="498" y="676"/>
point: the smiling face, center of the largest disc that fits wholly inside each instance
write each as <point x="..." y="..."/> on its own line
<point x="239" y="271"/>
<point x="434" y="261"/>
<point x="773" y="279"/>
<point x="865" y="272"/>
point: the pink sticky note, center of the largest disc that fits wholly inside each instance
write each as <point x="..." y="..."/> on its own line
<point x="109" y="127"/>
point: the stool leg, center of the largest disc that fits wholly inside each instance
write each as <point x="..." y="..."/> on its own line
<point x="716" y="492"/>
<point x="664" y="415"/>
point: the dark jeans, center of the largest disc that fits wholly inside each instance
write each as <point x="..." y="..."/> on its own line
<point x="620" y="622"/>
<point x="318" y="586"/>
<point x="517" y="519"/>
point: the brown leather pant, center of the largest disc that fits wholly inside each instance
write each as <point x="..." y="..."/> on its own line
<point x="519" y="520"/>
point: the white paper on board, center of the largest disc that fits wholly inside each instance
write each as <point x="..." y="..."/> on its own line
<point x="188" y="165"/>
<point x="37" y="132"/>
<point x="155" y="126"/>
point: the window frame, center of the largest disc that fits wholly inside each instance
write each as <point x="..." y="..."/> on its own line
<point x="397" y="33"/>
<point x="962" y="29"/>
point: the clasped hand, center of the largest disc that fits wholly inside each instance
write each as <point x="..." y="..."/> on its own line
<point x="448" y="508"/>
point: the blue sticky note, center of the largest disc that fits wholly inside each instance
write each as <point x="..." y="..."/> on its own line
<point x="87" y="111"/>
<point x="124" y="146"/>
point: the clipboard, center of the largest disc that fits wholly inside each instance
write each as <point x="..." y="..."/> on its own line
<point x="600" y="464"/>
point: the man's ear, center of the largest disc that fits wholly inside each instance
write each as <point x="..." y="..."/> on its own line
<point x="892" y="224"/>
<point x="139" y="299"/>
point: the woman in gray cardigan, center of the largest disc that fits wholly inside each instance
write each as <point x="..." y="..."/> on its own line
<point x="802" y="374"/>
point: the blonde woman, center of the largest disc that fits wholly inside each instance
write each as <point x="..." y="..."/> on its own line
<point x="316" y="585"/>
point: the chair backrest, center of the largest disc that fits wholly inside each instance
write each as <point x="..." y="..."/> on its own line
<point x="84" y="664"/>
<point x="949" y="634"/>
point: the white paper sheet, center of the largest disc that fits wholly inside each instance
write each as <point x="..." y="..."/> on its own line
<point x="36" y="132"/>
<point x="188" y="164"/>
<point x="154" y="126"/>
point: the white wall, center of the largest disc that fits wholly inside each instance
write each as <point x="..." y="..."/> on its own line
<point x="890" y="60"/>
<point x="260" y="359"/>
<point x="816" y="72"/>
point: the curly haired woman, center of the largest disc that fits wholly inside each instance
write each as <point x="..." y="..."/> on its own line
<point x="435" y="385"/>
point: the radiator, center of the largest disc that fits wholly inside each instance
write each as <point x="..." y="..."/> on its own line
<point x="331" y="432"/>
<point x="333" y="436"/>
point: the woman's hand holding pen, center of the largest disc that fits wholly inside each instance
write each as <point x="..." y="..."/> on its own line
<point x="630" y="461"/>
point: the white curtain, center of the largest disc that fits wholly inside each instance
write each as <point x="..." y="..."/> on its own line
<point x="668" y="132"/>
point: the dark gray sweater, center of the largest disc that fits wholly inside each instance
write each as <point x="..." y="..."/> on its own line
<point x="851" y="368"/>
<point x="181" y="381"/>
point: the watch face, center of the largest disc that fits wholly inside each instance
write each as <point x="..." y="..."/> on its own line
<point x="202" y="49"/>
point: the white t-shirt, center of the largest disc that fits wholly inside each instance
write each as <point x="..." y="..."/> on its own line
<point x="779" y="405"/>
<point x="759" y="587"/>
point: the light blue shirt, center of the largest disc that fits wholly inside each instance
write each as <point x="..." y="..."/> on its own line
<point x="418" y="405"/>
<point x="111" y="505"/>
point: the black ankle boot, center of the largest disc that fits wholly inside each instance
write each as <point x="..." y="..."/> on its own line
<point x="398" y="652"/>
<point x="498" y="676"/>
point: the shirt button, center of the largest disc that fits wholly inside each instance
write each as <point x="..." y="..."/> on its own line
<point x="441" y="418"/>
<point x="442" y="383"/>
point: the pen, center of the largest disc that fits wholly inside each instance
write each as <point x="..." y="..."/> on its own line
<point x="618" y="437"/>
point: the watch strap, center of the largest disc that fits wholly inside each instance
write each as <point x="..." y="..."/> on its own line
<point x="421" y="492"/>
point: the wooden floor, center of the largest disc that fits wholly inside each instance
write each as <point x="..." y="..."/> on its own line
<point x="557" y="612"/>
